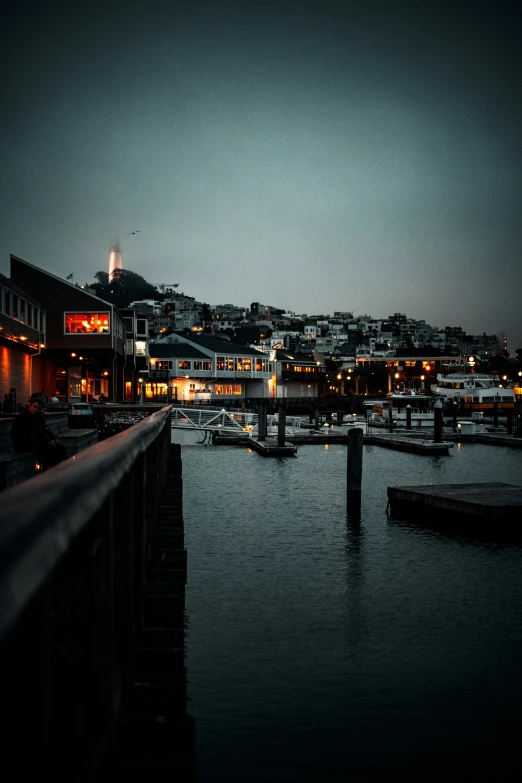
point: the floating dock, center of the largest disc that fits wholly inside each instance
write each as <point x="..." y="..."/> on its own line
<point x="496" y="503"/>
<point x="411" y="445"/>
<point x="269" y="448"/>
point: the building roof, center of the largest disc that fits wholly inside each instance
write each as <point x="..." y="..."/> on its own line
<point x="77" y="288"/>
<point x="224" y="347"/>
<point x="294" y="358"/>
<point x="175" y="350"/>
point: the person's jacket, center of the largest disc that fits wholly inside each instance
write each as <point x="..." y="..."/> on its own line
<point x="29" y="432"/>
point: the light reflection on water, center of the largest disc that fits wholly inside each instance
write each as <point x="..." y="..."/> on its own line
<point x="327" y="648"/>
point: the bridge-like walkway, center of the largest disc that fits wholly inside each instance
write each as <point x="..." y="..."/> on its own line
<point x="221" y="420"/>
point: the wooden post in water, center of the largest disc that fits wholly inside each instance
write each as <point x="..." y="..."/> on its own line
<point x="317" y="419"/>
<point x="438" y="420"/>
<point x="408" y="417"/>
<point x="261" y="421"/>
<point x="281" y="425"/>
<point x="495" y="411"/>
<point x="354" y="466"/>
<point x="340" y="416"/>
<point x="390" y="417"/>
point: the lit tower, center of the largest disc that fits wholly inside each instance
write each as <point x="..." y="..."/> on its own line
<point x="114" y="258"/>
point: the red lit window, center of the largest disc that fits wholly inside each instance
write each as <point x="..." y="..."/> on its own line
<point x="86" y="323"/>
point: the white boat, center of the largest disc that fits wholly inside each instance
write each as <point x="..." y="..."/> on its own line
<point x="473" y="391"/>
<point x="420" y="405"/>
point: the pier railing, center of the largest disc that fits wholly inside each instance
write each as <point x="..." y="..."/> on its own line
<point x="74" y="546"/>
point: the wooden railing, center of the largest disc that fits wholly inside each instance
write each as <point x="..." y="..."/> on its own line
<point x="74" y="547"/>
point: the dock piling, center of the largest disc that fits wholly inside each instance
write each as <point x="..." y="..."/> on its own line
<point x="438" y="421"/>
<point x="261" y="426"/>
<point x="281" y="425"/>
<point x="354" y="466"/>
<point x="408" y="417"/>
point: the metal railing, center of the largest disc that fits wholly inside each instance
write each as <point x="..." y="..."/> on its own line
<point x="189" y="418"/>
<point x="74" y="546"/>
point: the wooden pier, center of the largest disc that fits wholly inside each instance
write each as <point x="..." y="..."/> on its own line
<point x="92" y="590"/>
<point x="497" y="504"/>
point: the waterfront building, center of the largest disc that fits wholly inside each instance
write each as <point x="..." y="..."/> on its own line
<point x="23" y="366"/>
<point x="298" y="374"/>
<point x="204" y="368"/>
<point x="84" y="335"/>
<point x="136" y="352"/>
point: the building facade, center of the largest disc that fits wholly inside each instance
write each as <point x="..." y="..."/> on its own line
<point x="84" y="335"/>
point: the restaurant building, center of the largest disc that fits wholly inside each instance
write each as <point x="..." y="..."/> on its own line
<point x="84" y="335"/>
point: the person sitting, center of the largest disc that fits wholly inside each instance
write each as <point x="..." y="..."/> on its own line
<point x="54" y="399"/>
<point x="29" y="432"/>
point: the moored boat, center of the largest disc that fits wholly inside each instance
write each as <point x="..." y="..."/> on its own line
<point x="420" y="405"/>
<point x="473" y="391"/>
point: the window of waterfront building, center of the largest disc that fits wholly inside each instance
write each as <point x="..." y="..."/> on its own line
<point x="237" y="389"/>
<point x="86" y="323"/>
<point x="259" y="364"/>
<point x="220" y="363"/>
<point x="129" y="323"/>
<point x="141" y="326"/>
<point x="7" y="302"/>
<point x="230" y="363"/>
<point x="15" y="307"/>
<point x="202" y="365"/>
<point x="140" y="348"/>
<point x="164" y="365"/>
<point x="130" y="347"/>
<point x="247" y="364"/>
<point x="29" y="315"/>
<point x="184" y="365"/>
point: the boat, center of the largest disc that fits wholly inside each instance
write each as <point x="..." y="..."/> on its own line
<point x="473" y="391"/>
<point x="421" y="406"/>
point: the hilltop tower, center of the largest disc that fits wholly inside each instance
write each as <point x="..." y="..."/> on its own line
<point x="114" y="258"/>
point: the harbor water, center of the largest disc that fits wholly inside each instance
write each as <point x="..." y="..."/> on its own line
<point x="321" y="647"/>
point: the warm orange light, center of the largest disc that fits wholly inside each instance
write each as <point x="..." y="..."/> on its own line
<point x="427" y="368"/>
<point x="42" y="345"/>
<point x="73" y="354"/>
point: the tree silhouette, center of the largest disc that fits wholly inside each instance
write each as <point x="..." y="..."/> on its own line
<point x="124" y="288"/>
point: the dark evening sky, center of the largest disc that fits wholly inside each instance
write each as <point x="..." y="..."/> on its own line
<point x="316" y="156"/>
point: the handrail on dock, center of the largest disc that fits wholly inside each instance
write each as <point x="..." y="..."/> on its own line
<point x="75" y="543"/>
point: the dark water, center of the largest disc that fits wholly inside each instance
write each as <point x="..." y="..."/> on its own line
<point x="324" y="649"/>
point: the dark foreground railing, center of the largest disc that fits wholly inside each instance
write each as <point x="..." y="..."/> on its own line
<point x="74" y="547"/>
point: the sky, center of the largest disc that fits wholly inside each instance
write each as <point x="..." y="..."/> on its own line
<point x="314" y="156"/>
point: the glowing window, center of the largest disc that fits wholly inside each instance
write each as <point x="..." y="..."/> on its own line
<point x="86" y="323"/>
